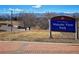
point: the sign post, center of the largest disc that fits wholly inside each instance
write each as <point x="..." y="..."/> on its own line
<point x="50" y="33"/>
<point x="76" y="27"/>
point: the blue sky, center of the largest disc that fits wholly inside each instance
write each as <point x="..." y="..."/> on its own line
<point x="39" y="8"/>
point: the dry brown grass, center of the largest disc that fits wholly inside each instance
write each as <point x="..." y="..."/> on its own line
<point x="9" y="22"/>
<point x="34" y="35"/>
<point x="25" y="35"/>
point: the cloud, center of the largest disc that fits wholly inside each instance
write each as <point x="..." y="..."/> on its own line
<point x="37" y="6"/>
<point x="15" y="9"/>
<point x="11" y="9"/>
<point x="70" y="12"/>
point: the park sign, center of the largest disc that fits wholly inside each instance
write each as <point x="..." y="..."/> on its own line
<point x="63" y="24"/>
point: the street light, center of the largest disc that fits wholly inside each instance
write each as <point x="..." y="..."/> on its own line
<point x="11" y="20"/>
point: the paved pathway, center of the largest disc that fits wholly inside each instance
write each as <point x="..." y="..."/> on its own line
<point x="37" y="47"/>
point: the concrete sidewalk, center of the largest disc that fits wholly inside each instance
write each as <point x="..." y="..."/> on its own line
<point x="37" y="47"/>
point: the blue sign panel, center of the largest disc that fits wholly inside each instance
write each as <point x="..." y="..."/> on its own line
<point x="63" y="25"/>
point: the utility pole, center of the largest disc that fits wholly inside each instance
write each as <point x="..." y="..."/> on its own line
<point x="11" y="21"/>
<point x="23" y="17"/>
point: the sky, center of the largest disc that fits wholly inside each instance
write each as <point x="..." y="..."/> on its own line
<point x="39" y="8"/>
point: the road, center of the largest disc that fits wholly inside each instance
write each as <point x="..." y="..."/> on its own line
<point x="23" y="47"/>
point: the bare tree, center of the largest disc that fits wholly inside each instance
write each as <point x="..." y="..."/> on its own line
<point x="31" y="20"/>
<point x="27" y="20"/>
<point x="44" y="20"/>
